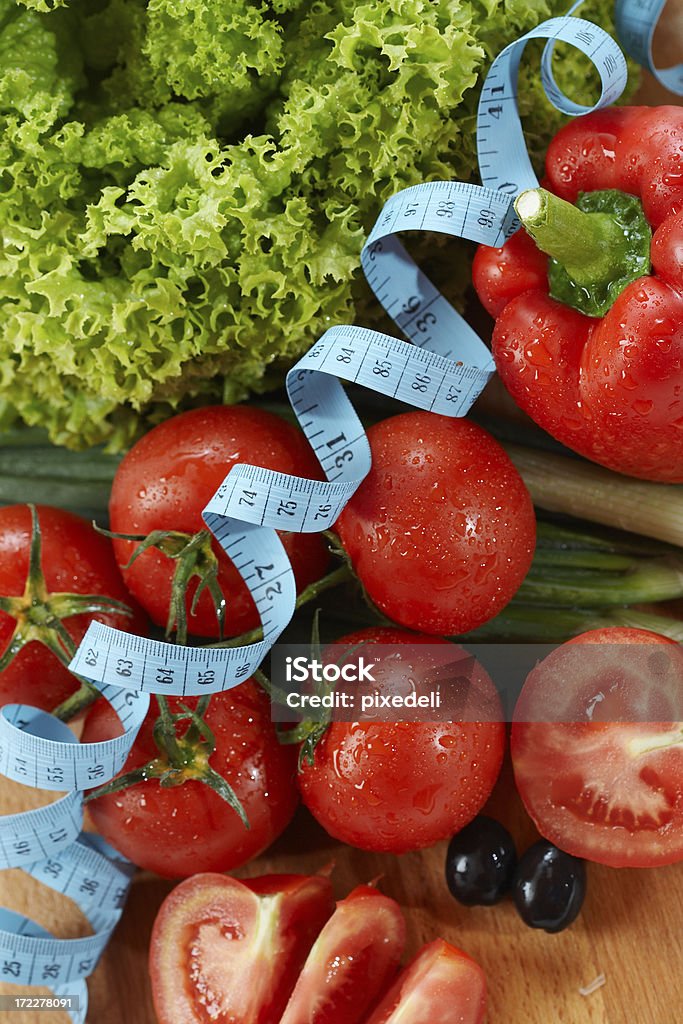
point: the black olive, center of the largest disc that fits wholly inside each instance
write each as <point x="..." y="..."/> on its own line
<point x="549" y="887"/>
<point x="480" y="863"/>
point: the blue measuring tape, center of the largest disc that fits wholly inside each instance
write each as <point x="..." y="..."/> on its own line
<point x="636" y="21"/>
<point x="444" y="370"/>
<point x="47" y="843"/>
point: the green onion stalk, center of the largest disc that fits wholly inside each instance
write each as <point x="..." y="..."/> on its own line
<point x="581" y="580"/>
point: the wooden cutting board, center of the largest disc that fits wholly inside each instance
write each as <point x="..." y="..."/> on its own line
<point x="631" y="929"/>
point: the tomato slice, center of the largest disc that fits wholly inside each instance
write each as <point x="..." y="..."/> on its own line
<point x="441" y="985"/>
<point x="597" y="748"/>
<point x="225" y="950"/>
<point x="352" y="962"/>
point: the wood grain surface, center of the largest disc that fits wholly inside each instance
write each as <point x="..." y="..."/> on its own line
<point x="631" y="929"/>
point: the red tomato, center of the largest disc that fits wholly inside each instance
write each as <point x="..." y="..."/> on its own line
<point x="442" y="530"/>
<point x="231" y="951"/>
<point x="597" y="754"/>
<point x="184" y="828"/>
<point x="398" y="786"/>
<point x="75" y="559"/>
<point x="168" y="477"/>
<point x="352" y="962"/>
<point x="441" y="985"/>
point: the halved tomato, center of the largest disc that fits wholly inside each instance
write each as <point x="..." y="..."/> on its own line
<point x="441" y="985"/>
<point x="354" y="959"/>
<point x="597" y="747"/>
<point x="227" y="950"/>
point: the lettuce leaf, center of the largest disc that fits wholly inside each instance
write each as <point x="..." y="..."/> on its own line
<point x="186" y="184"/>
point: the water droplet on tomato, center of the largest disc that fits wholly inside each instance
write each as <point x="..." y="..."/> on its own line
<point x="642" y="406"/>
<point x="424" y="801"/>
<point x="627" y="381"/>
<point x="538" y="354"/>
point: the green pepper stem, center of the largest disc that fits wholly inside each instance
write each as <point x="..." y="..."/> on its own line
<point x="589" y="246"/>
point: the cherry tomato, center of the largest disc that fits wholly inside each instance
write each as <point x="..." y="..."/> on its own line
<point x="403" y="785"/>
<point x="597" y="747"/>
<point x="184" y="828"/>
<point x="75" y="559"/>
<point x="354" y="959"/>
<point x="441" y="985"/>
<point x="168" y="477"/>
<point x="442" y="530"/>
<point x="231" y="951"/>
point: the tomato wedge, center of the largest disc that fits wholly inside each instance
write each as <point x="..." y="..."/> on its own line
<point x="597" y="748"/>
<point x="354" y="959"/>
<point x="441" y="985"/>
<point x="225" y="950"/>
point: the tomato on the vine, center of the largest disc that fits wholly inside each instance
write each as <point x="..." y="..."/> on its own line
<point x="597" y="747"/>
<point x="178" y="829"/>
<point x="442" y="531"/>
<point x="74" y="560"/>
<point x="402" y="785"/>
<point x="168" y="477"/>
<point x="224" y="950"/>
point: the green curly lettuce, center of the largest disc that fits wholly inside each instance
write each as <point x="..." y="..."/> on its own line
<point x="185" y="185"/>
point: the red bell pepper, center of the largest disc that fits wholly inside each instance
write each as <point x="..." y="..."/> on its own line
<point x="589" y="338"/>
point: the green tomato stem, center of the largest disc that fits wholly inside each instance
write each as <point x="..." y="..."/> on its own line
<point x="86" y="695"/>
<point x="341" y="575"/>
<point x="165" y="733"/>
<point x="588" y="245"/>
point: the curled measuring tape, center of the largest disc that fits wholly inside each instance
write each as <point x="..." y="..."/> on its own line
<point x="636" y="21"/>
<point x="443" y="370"/>
<point x="47" y="843"/>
